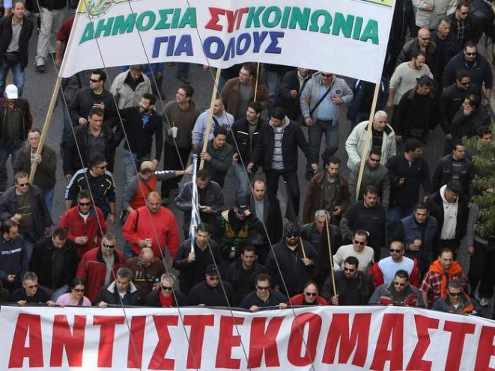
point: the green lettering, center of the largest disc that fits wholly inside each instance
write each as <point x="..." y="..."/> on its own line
<point x="145" y="21"/>
<point x="176" y="18"/>
<point x="253" y="17"/>
<point x="342" y="24"/>
<point x="189" y="18"/>
<point x="268" y="20"/>
<point x="299" y="18"/>
<point x="123" y="24"/>
<point x="358" y="25"/>
<point x="163" y="23"/>
<point x="89" y="33"/>
<point x="104" y="26"/>
<point x="370" y="32"/>
<point x="327" y="21"/>
<point x="285" y="17"/>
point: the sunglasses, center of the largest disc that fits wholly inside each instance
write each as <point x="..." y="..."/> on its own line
<point x="454" y="293"/>
<point x="166" y="288"/>
<point x="84" y="203"/>
<point x="350" y="270"/>
<point x="310" y="293"/>
<point x="23" y="184"/>
<point x="108" y="246"/>
<point x="360" y="243"/>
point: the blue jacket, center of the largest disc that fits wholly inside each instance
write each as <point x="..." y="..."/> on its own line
<point x="14" y="258"/>
<point x="412" y="231"/>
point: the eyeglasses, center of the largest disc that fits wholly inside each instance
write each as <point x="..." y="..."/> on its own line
<point x="23" y="184"/>
<point x="78" y="290"/>
<point x="360" y="243"/>
<point x="310" y="293"/>
<point x="454" y="293"/>
<point x="394" y="250"/>
<point x="84" y="203"/>
<point x="399" y="284"/>
<point x="94" y="80"/>
<point x="166" y="288"/>
<point x="108" y="246"/>
<point x="263" y="287"/>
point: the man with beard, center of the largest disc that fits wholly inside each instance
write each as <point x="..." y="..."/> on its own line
<point x="141" y="124"/>
<point x="399" y="292"/>
<point x="291" y="262"/>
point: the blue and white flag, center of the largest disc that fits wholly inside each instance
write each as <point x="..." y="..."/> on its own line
<point x="195" y="218"/>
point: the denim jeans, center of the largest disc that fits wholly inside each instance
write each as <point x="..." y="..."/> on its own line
<point x="130" y="164"/>
<point x="48" y="196"/>
<point x="18" y="76"/>
<point x="242" y="181"/>
<point x="5" y="151"/>
<point x="315" y="134"/>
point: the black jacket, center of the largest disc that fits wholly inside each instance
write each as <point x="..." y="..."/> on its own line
<point x="140" y="136"/>
<point x="84" y="101"/>
<point x="470" y="33"/>
<point x="272" y="217"/>
<point x="371" y="219"/>
<point x="480" y="70"/>
<point x="41" y="296"/>
<point x="23" y="127"/>
<point x="449" y="169"/>
<point x="435" y="204"/>
<point x="242" y="281"/>
<point x="244" y="143"/>
<point x="356" y="291"/>
<point x="274" y="299"/>
<point x="450" y="101"/>
<point x="42" y="263"/>
<point x="45" y="172"/>
<point x="202" y="293"/>
<point x="6" y="37"/>
<point x="289" y="82"/>
<point x="293" y="138"/>
<point x="468" y="125"/>
<point x="41" y="216"/>
<point x="14" y="258"/>
<point x="110" y="295"/>
<point x="414" y="116"/>
<point x="53" y="4"/>
<point x="71" y="159"/>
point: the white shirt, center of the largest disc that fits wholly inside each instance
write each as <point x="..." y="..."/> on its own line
<point x="365" y="257"/>
<point x="449" y="217"/>
<point x="389" y="267"/>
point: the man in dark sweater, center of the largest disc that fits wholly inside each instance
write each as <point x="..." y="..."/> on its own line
<point x="211" y="292"/>
<point x="367" y="215"/>
<point x="408" y="172"/>
<point x="15" y="253"/>
<point x="31" y="292"/>
<point x="141" y="125"/>
<point x="264" y="296"/>
<point x="218" y="156"/>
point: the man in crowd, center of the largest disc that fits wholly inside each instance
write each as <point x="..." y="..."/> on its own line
<point x="192" y="264"/>
<point x="152" y="226"/>
<point x="165" y="295"/>
<point x="383" y="271"/>
<point x="16" y="254"/>
<point x="211" y="292"/>
<point x="291" y="86"/>
<point x="141" y="125"/>
<point x="277" y="153"/>
<point x="55" y="262"/>
<point x="15" y="123"/>
<point x="146" y="269"/>
<point x="129" y="87"/>
<point x="24" y="204"/>
<point x="98" y="181"/>
<point x="421" y="43"/>
<point x="46" y="162"/>
<point x="98" y="266"/>
<point x="456" y="300"/>
<point x="358" y="249"/>
<point x="367" y="215"/>
<point x="122" y="291"/>
<point x="31" y="292"/>
<point x="398" y="292"/>
<point x="328" y="190"/>
<point x="462" y="25"/>
<point x="383" y="140"/>
<point x="220" y="117"/>
<point x="353" y="285"/>
<point x="180" y="115"/>
<point x="321" y="100"/>
<point x="218" y="156"/>
<point x="374" y="174"/>
<point x="264" y="296"/>
<point x="85" y="224"/>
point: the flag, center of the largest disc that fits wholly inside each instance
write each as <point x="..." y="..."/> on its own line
<point x="195" y="218"/>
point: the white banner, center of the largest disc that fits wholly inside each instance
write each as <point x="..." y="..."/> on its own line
<point x="346" y="37"/>
<point x="317" y="338"/>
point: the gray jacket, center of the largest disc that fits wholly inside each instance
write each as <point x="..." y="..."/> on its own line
<point x="376" y="177"/>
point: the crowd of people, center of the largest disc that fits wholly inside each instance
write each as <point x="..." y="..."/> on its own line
<point x="374" y="226"/>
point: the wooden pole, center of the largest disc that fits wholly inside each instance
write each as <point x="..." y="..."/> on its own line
<point x="46" y="126"/>
<point x="210" y="115"/>
<point x="302" y="247"/>
<point x="332" y="273"/>
<point x="257" y="80"/>
<point x="366" y="149"/>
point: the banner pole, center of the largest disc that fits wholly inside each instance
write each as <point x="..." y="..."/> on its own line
<point x="329" y="244"/>
<point x="366" y="148"/>
<point x="46" y="125"/>
<point x="302" y="247"/>
<point x="210" y="115"/>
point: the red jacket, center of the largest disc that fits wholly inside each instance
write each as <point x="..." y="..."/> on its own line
<point x="160" y="227"/>
<point x="92" y="269"/>
<point x="144" y="188"/>
<point x="376" y="273"/>
<point x="299" y="300"/>
<point x="76" y="227"/>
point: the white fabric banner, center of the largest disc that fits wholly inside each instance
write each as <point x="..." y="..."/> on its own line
<point x="311" y="338"/>
<point x="346" y="37"/>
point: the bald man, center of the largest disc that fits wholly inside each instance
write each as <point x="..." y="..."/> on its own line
<point x="147" y="270"/>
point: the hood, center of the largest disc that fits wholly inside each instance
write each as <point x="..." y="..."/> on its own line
<point x="284" y="125"/>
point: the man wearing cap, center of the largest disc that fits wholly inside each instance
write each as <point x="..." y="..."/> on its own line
<point x="15" y="123"/>
<point x="211" y="292"/>
<point x="129" y="87"/>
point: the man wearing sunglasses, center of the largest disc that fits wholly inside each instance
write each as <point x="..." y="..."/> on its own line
<point x="31" y="292"/>
<point x="166" y="295"/>
<point x="358" y="249"/>
<point x="211" y="292"/>
<point x="399" y="292"/>
<point x="456" y="300"/>
<point x="264" y="296"/>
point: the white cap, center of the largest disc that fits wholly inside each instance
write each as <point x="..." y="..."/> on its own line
<point x="11" y="92"/>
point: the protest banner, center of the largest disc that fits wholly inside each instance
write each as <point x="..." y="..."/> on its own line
<point x="316" y="338"/>
<point x="346" y="37"/>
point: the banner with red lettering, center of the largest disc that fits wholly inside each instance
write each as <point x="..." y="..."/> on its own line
<point x="319" y="338"/>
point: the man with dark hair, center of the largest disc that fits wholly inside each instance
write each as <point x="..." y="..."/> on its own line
<point x="85" y="223"/>
<point x="462" y="26"/>
<point x="359" y="249"/>
<point x="456" y="301"/>
<point x="242" y="273"/>
<point x="122" y="291"/>
<point x="292" y="84"/>
<point x="16" y="254"/>
<point x="277" y="153"/>
<point x="218" y="156"/>
<point x="353" y="286"/>
<point x="55" y="262"/>
<point x="398" y="292"/>
<point x="246" y="133"/>
<point x="94" y="96"/>
<point x="24" y="204"/>
<point x="130" y="86"/>
<point x="211" y="292"/>
<point x="98" y="181"/>
<point x="31" y="292"/>
<point x="369" y="216"/>
<point x="408" y="172"/>
<point x="180" y="115"/>
<point x="90" y="139"/>
<point x="328" y="190"/>
<point x="264" y="296"/>
<point x="469" y="118"/>
<point x="141" y="124"/>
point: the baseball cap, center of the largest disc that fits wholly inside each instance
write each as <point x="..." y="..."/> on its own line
<point x="11" y="92"/>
